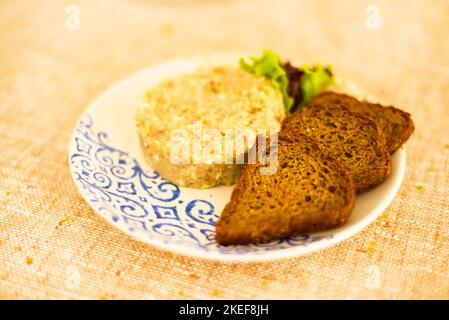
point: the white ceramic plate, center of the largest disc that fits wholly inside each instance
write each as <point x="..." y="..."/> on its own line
<point x="108" y="168"/>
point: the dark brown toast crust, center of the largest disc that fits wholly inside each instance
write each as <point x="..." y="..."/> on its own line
<point x="308" y="192"/>
<point x="352" y="139"/>
<point x="397" y="125"/>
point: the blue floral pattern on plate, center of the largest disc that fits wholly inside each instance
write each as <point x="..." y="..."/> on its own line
<point x="144" y="204"/>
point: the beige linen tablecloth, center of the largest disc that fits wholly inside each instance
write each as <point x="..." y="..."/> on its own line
<point x="52" y="65"/>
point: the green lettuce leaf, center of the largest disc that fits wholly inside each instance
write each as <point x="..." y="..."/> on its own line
<point x="314" y="81"/>
<point x="269" y="66"/>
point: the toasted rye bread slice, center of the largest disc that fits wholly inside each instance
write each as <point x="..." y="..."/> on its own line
<point x="396" y="125"/>
<point x="352" y="139"/>
<point x="308" y="192"/>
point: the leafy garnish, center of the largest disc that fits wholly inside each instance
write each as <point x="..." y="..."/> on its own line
<point x="314" y="81"/>
<point x="298" y="86"/>
<point x="269" y="66"/>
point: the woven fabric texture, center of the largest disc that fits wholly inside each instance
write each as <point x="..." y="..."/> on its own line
<point x="52" y="245"/>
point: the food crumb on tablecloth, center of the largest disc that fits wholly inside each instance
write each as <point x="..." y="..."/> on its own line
<point x="372" y="247"/>
<point x="194" y="276"/>
<point x="29" y="260"/>
<point x="215" y="293"/>
<point x="436" y="236"/>
<point x="67" y="218"/>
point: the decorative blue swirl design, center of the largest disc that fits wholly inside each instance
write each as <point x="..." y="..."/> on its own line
<point x="202" y="211"/>
<point x="144" y="203"/>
